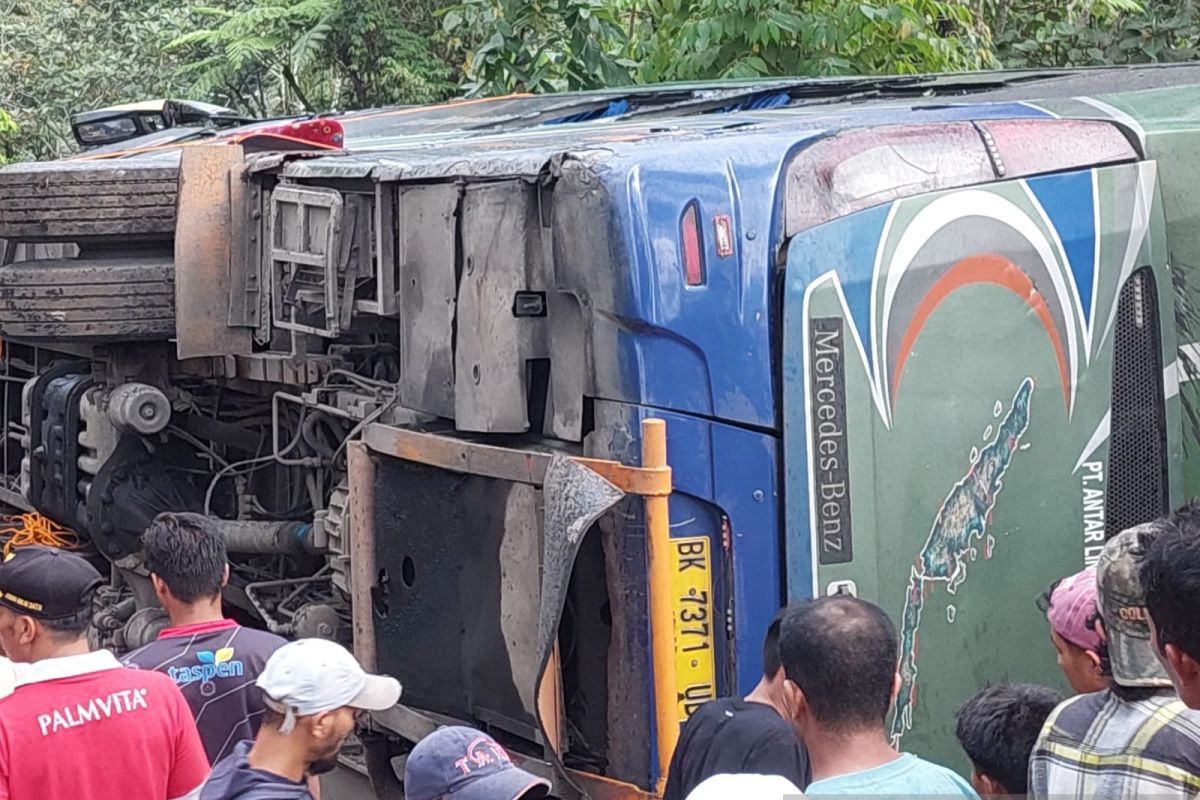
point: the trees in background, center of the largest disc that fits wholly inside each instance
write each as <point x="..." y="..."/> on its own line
<point x="274" y="57"/>
<point x="501" y="46"/>
<point x="693" y="39"/>
<point x="59" y="56"/>
<point x="8" y="135"/>
<point x="516" y="45"/>
<point x="1030" y="33"/>
<point x="261" y="57"/>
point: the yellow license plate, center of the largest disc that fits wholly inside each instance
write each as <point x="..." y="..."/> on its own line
<point x="695" y="622"/>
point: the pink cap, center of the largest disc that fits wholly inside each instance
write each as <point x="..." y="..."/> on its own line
<point x="1073" y="609"/>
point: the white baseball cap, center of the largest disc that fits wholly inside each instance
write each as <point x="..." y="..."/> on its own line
<point x="745" y="787"/>
<point x="312" y="676"/>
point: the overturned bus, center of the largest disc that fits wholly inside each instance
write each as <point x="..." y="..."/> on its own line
<point x="926" y="340"/>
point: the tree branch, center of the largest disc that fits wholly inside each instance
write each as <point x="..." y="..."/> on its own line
<point x="290" y="77"/>
<point x="231" y="90"/>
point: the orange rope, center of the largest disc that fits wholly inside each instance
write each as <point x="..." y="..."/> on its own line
<point x="26" y="529"/>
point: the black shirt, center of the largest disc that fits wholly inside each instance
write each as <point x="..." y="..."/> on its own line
<point x="215" y="665"/>
<point x="732" y="736"/>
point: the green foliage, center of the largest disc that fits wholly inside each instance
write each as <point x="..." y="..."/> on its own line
<point x="8" y="135"/>
<point x="279" y="56"/>
<point x="384" y="54"/>
<point x="262" y="57"/>
<point x="543" y="45"/>
<point x="253" y="55"/>
<point x="512" y="45"/>
<point x="60" y="57"/>
<point x="1033" y="34"/>
<point x="272" y="57"/>
<point x="693" y="39"/>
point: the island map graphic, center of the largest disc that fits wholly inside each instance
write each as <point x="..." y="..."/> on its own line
<point x="961" y="522"/>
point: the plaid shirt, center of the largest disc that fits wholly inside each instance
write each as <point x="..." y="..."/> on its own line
<point x="1100" y="746"/>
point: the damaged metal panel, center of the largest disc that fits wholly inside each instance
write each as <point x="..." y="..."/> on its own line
<point x="590" y="267"/>
<point x="481" y="585"/>
<point x="568" y="367"/>
<point x="569" y="314"/>
<point x="310" y="264"/>
<point x="575" y="498"/>
<point x="519" y="564"/>
<point x="432" y="164"/>
<point x="629" y="711"/>
<point x="501" y="249"/>
<point x="279" y="368"/>
<point x="382" y="255"/>
<point x="427" y="219"/>
<point x="504" y="156"/>
<point x="456" y="598"/>
<point x="204" y="251"/>
<point x="245" y="224"/>
<point x="355" y="262"/>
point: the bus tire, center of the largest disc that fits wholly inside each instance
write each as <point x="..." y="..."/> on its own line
<point x="101" y="300"/>
<point x="87" y="201"/>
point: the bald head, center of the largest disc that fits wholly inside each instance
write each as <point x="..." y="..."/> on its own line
<point x="841" y="652"/>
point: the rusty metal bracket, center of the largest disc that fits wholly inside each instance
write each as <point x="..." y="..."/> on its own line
<point x="505" y="463"/>
<point x="211" y="194"/>
<point x="598" y="787"/>
<point x="360" y="468"/>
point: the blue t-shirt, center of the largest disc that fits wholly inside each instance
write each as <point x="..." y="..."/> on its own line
<point x="907" y="776"/>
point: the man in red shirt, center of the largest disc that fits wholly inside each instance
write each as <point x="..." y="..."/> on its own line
<point x="79" y="726"/>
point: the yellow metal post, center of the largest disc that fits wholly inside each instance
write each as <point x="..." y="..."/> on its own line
<point x="662" y="622"/>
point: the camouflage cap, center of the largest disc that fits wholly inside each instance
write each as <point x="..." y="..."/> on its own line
<point x="1123" y="609"/>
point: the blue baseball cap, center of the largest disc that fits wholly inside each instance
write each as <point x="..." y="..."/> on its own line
<point x="466" y="764"/>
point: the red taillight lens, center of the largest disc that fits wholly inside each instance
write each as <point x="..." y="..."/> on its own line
<point x="693" y="259"/>
<point x="322" y="133"/>
<point x="860" y="168"/>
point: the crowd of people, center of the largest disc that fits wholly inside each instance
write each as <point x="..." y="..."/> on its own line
<point x="215" y="711"/>
<point x="1127" y="635"/>
<point x="208" y="710"/>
